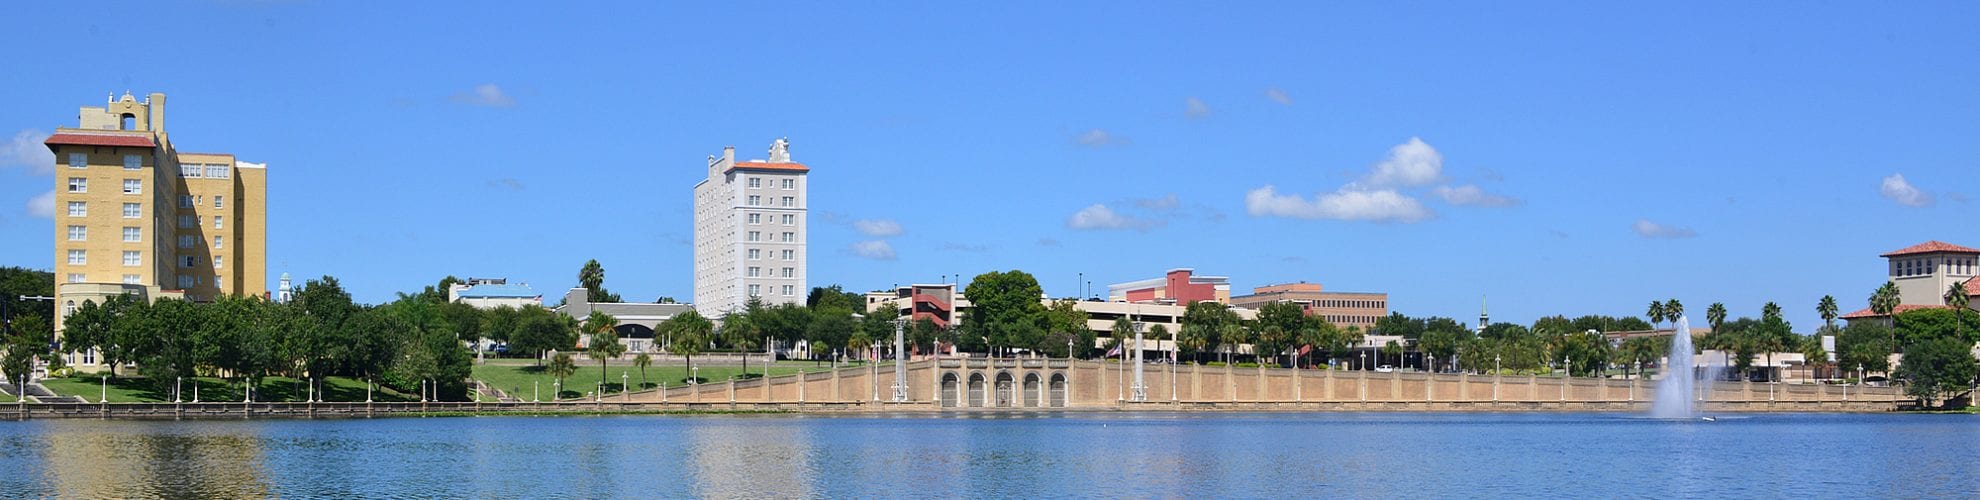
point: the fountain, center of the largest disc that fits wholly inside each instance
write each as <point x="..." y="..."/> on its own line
<point x="1676" y="392"/>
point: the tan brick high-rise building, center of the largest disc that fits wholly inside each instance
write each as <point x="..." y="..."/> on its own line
<point x="133" y="214"/>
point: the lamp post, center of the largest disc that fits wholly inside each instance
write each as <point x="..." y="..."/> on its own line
<point x="1495" y="364"/>
<point x="1364" y="360"/>
<point x="900" y="372"/>
<point x="105" y="398"/>
<point x="625" y="378"/>
<point x="1140" y="389"/>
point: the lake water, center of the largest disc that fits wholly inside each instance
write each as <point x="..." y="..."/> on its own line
<point x="1077" y="454"/>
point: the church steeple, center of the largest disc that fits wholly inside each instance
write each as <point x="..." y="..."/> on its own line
<point x="1483" y="318"/>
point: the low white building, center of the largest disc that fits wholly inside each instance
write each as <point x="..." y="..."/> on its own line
<point x="493" y="293"/>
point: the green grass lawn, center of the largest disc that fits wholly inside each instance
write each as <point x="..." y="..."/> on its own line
<point x="516" y="376"/>
<point x="141" y="390"/>
<point x="7" y="398"/>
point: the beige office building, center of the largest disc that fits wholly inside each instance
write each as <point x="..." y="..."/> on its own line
<point x="1343" y="309"/>
<point x="135" y="215"/>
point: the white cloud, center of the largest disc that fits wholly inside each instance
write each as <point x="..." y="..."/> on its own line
<point x="487" y="95"/>
<point x="1195" y="108"/>
<point x="1412" y="163"/>
<point x="1349" y="203"/>
<point x="1098" y="216"/>
<point x="1278" y="96"/>
<point x="877" y="228"/>
<point x="25" y="150"/>
<point x="42" y="206"/>
<point x="1647" y="229"/>
<point x="1164" y="203"/>
<point x="1099" y="137"/>
<point x="875" y="249"/>
<point x="1472" y="195"/>
<point x="1901" y="191"/>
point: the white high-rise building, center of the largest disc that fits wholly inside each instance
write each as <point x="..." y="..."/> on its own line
<point x="749" y="231"/>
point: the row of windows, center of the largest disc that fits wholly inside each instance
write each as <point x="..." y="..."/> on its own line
<point x="210" y="171"/>
<point x="1921" y="267"/>
<point x="1350" y="303"/>
<point x="81" y="233"/>
<point x="757" y="201"/>
<point x="756" y="290"/>
<point x="192" y="221"/>
<point x="788" y="219"/>
<point x="1348" y="318"/>
<point x="757" y="272"/>
<point x="191" y="200"/>
<point x="788" y="237"/>
<point x="757" y="182"/>
<point x="757" y="254"/>
<point x="189" y="241"/>
<point x="131" y="162"/>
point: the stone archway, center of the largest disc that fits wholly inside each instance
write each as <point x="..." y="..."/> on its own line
<point x="949" y="384"/>
<point x="1058" y="390"/>
<point x="1006" y="390"/>
<point x="1030" y="390"/>
<point x="977" y="390"/>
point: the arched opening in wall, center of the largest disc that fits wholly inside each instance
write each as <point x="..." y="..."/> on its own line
<point x="127" y="122"/>
<point x="1031" y="390"/>
<point x="1058" y="390"/>
<point x="976" y="390"/>
<point x="1006" y="390"/>
<point x="949" y="395"/>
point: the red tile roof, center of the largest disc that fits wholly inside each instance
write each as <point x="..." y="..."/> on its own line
<point x="757" y="165"/>
<point x="1973" y="286"/>
<point x="1930" y="247"/>
<point x="1901" y="308"/>
<point x="79" y="139"/>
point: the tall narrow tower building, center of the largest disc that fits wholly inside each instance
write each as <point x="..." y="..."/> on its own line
<point x="750" y="231"/>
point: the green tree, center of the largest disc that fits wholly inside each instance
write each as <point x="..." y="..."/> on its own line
<point x="1936" y="367"/>
<point x="561" y="367"/>
<point x="1865" y="346"/>
<point x="1397" y="323"/>
<point x="687" y="331"/>
<point x="1161" y="332"/>
<point x="604" y="344"/>
<point x="1638" y="351"/>
<point x="592" y="278"/>
<point x="1118" y="335"/>
<point x="1673" y="309"/>
<point x="16" y="282"/>
<point x="1065" y="323"/>
<point x="1716" y="315"/>
<point x="1393" y="349"/>
<point x="642" y="361"/>
<point x="834" y="297"/>
<point x="1827" y="308"/>
<point x="1005" y="309"/>
<point x="539" y="331"/>
<point x="25" y="340"/>
<point x="741" y="329"/>
<point x="1656" y="313"/>
<point x="1956" y="299"/>
<point x="1885" y="299"/>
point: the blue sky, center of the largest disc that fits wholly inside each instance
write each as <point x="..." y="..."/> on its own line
<point x="1566" y="158"/>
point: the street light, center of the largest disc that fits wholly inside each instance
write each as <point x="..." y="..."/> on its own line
<point x="1364" y="360"/>
<point x="625" y="378"/>
<point x="1495" y="364"/>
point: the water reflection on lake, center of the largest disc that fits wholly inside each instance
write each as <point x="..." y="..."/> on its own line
<point x="1001" y="455"/>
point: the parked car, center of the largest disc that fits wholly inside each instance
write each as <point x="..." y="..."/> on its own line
<point x="1385" y="368"/>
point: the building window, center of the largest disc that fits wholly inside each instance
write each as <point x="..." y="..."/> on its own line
<point x="216" y="171"/>
<point x="78" y="209"/>
<point x="755" y="218"/>
<point x="185" y="201"/>
<point x="755" y="200"/>
<point x="753" y="271"/>
<point x="133" y="186"/>
<point x="790" y="219"/>
<point x="78" y="257"/>
<point x="218" y="242"/>
<point x="754" y="253"/>
<point x="133" y="235"/>
<point x="790" y="272"/>
<point x="756" y="182"/>
<point x="78" y="233"/>
<point x="787" y="290"/>
<point x="755" y="235"/>
<point x="185" y="281"/>
<point x="187" y="261"/>
<point x="133" y="258"/>
<point x="790" y="184"/>
<point x="188" y="221"/>
<point x="789" y="254"/>
<point x="789" y="236"/>
<point x="69" y="307"/>
<point x="78" y="185"/>
<point x="133" y="162"/>
<point x="187" y="240"/>
<point x="132" y="279"/>
<point x="790" y="201"/>
<point x="755" y="290"/>
<point x="217" y="263"/>
<point x="189" y="170"/>
<point x="78" y="160"/>
<point x="219" y="222"/>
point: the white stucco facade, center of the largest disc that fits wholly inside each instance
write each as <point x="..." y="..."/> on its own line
<point x="750" y="228"/>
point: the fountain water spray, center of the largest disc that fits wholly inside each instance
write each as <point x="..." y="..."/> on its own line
<point x="1676" y="392"/>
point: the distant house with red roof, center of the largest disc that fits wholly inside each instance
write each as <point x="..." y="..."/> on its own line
<point x="1924" y="272"/>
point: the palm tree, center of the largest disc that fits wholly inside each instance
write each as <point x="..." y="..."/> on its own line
<point x="1885" y="299"/>
<point x="642" y="361"/>
<point x="1194" y="337"/>
<point x="1827" y="308"/>
<point x="1956" y="299"/>
<point x="1716" y="315"/>
<point x="561" y="367"/>
<point x="688" y="331"/>
<point x="1393" y="349"/>
<point x="604" y="344"/>
<point x="740" y="330"/>
<point x="1673" y="309"/>
<point x="1656" y="313"/>
<point x="1770" y="311"/>
<point x="1122" y="330"/>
